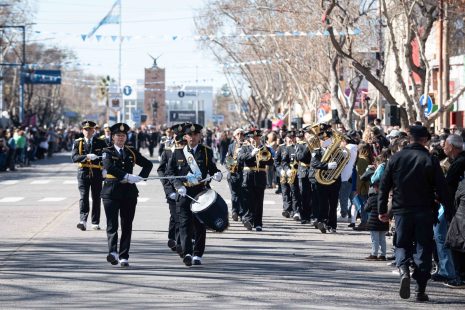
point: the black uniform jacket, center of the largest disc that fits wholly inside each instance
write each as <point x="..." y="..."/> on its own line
<point x="304" y="156"/>
<point x="165" y="157"/>
<point x="237" y="176"/>
<point x="252" y="177"/>
<point x="455" y="174"/>
<point x="87" y="168"/>
<point x="117" y="168"/>
<point x="288" y="156"/>
<point x="178" y="165"/>
<point x="278" y="159"/>
<point x="416" y="179"/>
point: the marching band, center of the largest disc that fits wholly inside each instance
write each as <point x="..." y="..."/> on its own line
<point x="308" y="164"/>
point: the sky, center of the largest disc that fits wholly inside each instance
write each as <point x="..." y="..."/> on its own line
<point x="148" y="26"/>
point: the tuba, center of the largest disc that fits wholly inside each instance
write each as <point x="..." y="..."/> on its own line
<point x="336" y="153"/>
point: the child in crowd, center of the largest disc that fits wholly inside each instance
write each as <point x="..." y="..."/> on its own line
<point x="377" y="228"/>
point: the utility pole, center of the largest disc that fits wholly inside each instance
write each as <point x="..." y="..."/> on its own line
<point x="440" y="123"/>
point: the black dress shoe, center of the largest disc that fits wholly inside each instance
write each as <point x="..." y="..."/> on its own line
<point x="235" y="217"/>
<point x="278" y="191"/>
<point x="322" y="227"/>
<point x="286" y="214"/>
<point x="422" y="297"/>
<point x="248" y="225"/>
<point x="124" y="264"/>
<point x="172" y="244"/>
<point x="305" y="222"/>
<point x="404" y="291"/>
<point x="81" y="226"/>
<point x="187" y="260"/>
<point x="112" y="260"/>
<point x="351" y="225"/>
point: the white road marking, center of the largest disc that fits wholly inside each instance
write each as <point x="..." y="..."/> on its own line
<point x="9" y="182"/>
<point x="40" y="182"/>
<point x="52" y="199"/>
<point x="70" y="182"/>
<point x="144" y="199"/>
<point x="11" y="199"/>
<point x="142" y="184"/>
<point x="268" y="202"/>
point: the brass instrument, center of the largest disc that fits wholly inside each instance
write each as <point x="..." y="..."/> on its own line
<point x="292" y="172"/>
<point x="231" y="161"/>
<point x="334" y="153"/>
<point x="262" y="155"/>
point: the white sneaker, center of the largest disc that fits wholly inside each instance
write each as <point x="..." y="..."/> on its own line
<point x="124" y="262"/>
<point x="296" y="216"/>
<point x="197" y="260"/>
<point x="95" y="227"/>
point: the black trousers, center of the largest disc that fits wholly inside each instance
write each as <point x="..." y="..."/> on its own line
<point x="414" y="241"/>
<point x="85" y="186"/>
<point x="306" y="198"/>
<point x="151" y="147"/>
<point x="235" y="187"/>
<point x="173" y="226"/>
<point x="126" y="209"/>
<point x="253" y="200"/>
<point x="287" y="199"/>
<point x="188" y="223"/>
<point x="328" y="198"/>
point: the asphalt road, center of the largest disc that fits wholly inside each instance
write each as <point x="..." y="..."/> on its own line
<point x="46" y="262"/>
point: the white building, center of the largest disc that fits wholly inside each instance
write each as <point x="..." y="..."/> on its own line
<point x="133" y="101"/>
<point x="189" y="104"/>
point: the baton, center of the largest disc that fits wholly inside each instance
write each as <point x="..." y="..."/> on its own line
<point x="164" y="178"/>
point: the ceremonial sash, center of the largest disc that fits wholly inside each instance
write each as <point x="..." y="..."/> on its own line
<point x="197" y="174"/>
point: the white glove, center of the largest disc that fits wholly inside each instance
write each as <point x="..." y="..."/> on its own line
<point x="92" y="156"/>
<point x="332" y="165"/>
<point x="172" y="196"/>
<point x="104" y="173"/>
<point x="289" y="172"/>
<point x="182" y="191"/>
<point x="283" y="173"/>
<point x="133" y="178"/>
<point x="218" y="176"/>
<point x="255" y="151"/>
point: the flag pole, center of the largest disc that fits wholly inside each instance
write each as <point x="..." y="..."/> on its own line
<point x="119" y="62"/>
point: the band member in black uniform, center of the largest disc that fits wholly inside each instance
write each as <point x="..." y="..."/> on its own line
<point x="235" y="174"/>
<point x="284" y="187"/>
<point x="305" y="173"/>
<point x="106" y="134"/>
<point x="290" y="166"/>
<point x="120" y="193"/>
<point x="195" y="162"/>
<point x="328" y="195"/>
<point x="166" y="136"/>
<point x="87" y="152"/>
<point x="152" y="139"/>
<point x="174" y="242"/>
<point x="255" y="158"/>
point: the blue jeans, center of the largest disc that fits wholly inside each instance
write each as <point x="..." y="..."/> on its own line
<point x="344" y="193"/>
<point x="446" y="263"/>
<point x="378" y="239"/>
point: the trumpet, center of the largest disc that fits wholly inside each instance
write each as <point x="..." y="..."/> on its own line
<point x="262" y="155"/>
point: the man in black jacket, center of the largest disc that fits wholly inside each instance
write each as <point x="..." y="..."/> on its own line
<point x="235" y="175"/>
<point x="416" y="180"/>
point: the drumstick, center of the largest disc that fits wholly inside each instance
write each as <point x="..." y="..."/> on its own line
<point x="193" y="199"/>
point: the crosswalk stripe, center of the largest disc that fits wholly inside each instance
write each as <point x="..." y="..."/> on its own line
<point x="70" y="182"/>
<point x="52" y="199"/>
<point x="144" y="199"/>
<point x="269" y="202"/>
<point x="9" y="182"/>
<point x="11" y="199"/>
<point x="142" y="184"/>
<point x="40" y="182"/>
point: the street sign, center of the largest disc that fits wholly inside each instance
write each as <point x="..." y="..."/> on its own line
<point x="428" y="104"/>
<point x="127" y="90"/>
<point x="186" y="116"/>
<point x="115" y="101"/>
<point x="42" y="77"/>
<point x="218" y="118"/>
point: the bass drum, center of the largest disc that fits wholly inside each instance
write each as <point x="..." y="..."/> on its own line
<point x="211" y="210"/>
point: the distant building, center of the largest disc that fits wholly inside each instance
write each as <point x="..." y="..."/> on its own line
<point x="154" y="95"/>
<point x="133" y="101"/>
<point x="190" y="104"/>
